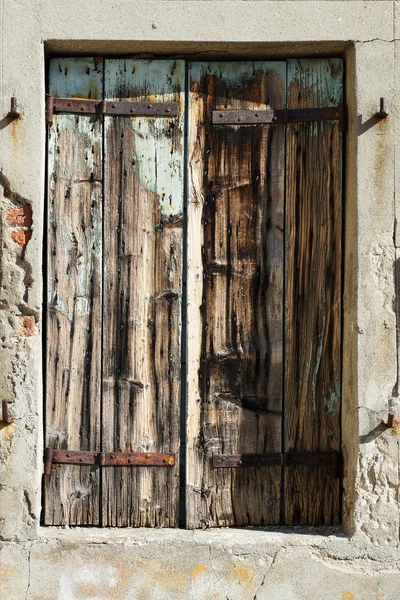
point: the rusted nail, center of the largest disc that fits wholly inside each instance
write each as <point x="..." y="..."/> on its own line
<point x="391" y="421"/>
<point x="165" y="460"/>
<point x="382" y="114"/>
<point x="14" y="114"/>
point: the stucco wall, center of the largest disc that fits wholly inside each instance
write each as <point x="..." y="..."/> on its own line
<point x="257" y="563"/>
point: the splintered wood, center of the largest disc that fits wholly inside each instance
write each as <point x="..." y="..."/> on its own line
<point x="313" y="292"/>
<point x="143" y="224"/>
<point x="235" y="291"/>
<point x="74" y="255"/>
<point x="263" y="255"/>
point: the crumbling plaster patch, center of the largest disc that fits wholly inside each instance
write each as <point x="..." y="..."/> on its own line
<point x="19" y="321"/>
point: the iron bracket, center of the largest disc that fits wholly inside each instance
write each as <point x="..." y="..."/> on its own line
<point x="297" y="115"/>
<point x="284" y="459"/>
<point x="106" y="459"/>
<point x="393" y="422"/>
<point x="6" y="419"/>
<point x="13" y="112"/>
<point x="103" y="107"/>
<point x="382" y="114"/>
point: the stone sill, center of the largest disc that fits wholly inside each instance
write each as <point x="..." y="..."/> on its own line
<point x="232" y="537"/>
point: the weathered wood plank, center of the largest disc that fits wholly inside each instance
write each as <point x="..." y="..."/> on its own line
<point x="235" y="287"/>
<point x="313" y="291"/>
<point x="143" y="222"/>
<point x="74" y="293"/>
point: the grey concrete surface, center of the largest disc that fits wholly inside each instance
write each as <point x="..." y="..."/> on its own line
<point x="85" y="564"/>
<point x="220" y="565"/>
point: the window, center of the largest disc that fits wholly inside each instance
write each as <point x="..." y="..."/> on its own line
<point x="233" y="230"/>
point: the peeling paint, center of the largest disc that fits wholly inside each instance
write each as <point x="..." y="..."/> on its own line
<point x="158" y="142"/>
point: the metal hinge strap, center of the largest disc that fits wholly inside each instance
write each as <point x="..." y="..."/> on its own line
<point x="297" y="115"/>
<point x="106" y="459"/>
<point x="103" y="107"/>
<point x="284" y="459"/>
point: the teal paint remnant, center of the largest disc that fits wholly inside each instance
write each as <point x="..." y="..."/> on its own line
<point x="79" y="77"/>
<point x="158" y="142"/>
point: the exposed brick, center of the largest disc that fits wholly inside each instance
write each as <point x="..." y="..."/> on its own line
<point x="19" y="217"/>
<point x="28" y="326"/>
<point x="21" y="237"/>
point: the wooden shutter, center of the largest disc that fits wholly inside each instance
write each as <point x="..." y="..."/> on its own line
<point x="313" y="292"/>
<point x="235" y="294"/>
<point x="264" y="295"/>
<point x="143" y="224"/>
<point x="74" y="255"/>
<point x="114" y="324"/>
<point x="263" y="324"/>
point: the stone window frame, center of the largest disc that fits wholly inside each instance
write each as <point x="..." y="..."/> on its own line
<point x="360" y="31"/>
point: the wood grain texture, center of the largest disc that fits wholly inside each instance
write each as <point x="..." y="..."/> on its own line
<point x="74" y="293"/>
<point x="235" y="294"/>
<point x="143" y="222"/>
<point x="313" y="291"/>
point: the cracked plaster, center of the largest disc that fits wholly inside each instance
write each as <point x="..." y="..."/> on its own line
<point x="254" y="564"/>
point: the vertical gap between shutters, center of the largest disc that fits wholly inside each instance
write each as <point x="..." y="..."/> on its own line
<point x="342" y="266"/>
<point x="183" y="400"/>
<point x="282" y="502"/>
<point x="102" y="296"/>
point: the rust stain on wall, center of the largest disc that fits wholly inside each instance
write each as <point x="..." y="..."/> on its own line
<point x="198" y="571"/>
<point x="6" y="574"/>
<point x="243" y="575"/>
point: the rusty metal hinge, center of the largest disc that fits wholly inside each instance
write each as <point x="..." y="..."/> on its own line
<point x="106" y="459"/>
<point x="102" y="107"/>
<point x="285" y="459"/>
<point x="297" y="115"/>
